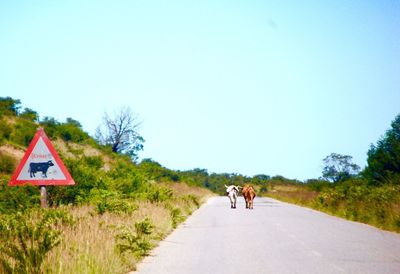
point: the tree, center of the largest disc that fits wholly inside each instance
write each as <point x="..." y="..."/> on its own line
<point x="339" y="167"/>
<point x="384" y="157"/>
<point x="9" y="106"/>
<point x="50" y="125"/>
<point x="72" y="130"/>
<point x="121" y="133"/>
<point x="30" y="115"/>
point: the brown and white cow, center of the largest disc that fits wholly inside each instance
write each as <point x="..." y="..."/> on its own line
<point x="248" y="195"/>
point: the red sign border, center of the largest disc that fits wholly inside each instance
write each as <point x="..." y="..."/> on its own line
<point x="68" y="179"/>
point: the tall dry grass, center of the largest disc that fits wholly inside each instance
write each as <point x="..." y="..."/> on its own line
<point x="89" y="246"/>
<point x="293" y="194"/>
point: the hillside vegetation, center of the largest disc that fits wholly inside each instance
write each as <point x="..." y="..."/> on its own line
<point x="115" y="214"/>
<point x="371" y="196"/>
<point x="117" y="211"/>
<point x="120" y="208"/>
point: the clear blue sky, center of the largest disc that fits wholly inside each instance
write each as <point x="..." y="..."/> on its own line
<point x="249" y="87"/>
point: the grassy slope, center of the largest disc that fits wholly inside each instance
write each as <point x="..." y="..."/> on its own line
<point x="90" y="244"/>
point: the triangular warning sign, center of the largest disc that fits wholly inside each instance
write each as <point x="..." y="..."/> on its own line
<point x="41" y="165"/>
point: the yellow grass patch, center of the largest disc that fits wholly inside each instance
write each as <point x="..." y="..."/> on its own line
<point x="89" y="246"/>
<point x="16" y="153"/>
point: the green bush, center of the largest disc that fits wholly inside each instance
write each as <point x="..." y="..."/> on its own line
<point x="154" y="171"/>
<point x="9" y="106"/>
<point x="86" y="178"/>
<point x="17" y="198"/>
<point x="159" y="194"/>
<point x="50" y="126"/>
<point x="5" y="130"/>
<point x="7" y="163"/>
<point x="176" y="216"/>
<point x="94" y="161"/>
<point x="318" y="185"/>
<point x="357" y="200"/>
<point x="26" y="239"/>
<point x="23" y="132"/>
<point x="30" y="115"/>
<point x="136" y="242"/>
<point x="193" y="199"/>
<point x="70" y="132"/>
<point x="115" y="204"/>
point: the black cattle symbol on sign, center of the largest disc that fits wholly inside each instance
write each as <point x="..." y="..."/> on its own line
<point x="43" y="167"/>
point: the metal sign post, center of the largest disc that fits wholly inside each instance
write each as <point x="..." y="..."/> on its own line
<point x="43" y="197"/>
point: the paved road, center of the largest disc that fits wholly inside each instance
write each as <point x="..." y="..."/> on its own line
<point x="274" y="238"/>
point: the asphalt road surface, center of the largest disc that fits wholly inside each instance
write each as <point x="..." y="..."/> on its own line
<point x="274" y="237"/>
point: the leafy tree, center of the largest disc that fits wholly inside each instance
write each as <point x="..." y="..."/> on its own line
<point x="156" y="171"/>
<point x="121" y="133"/>
<point x="261" y="180"/>
<point x="29" y="114"/>
<point x="72" y="131"/>
<point x="73" y="122"/>
<point x="9" y="106"/>
<point x="384" y="157"/>
<point x="339" y="167"/>
<point x="50" y="126"/>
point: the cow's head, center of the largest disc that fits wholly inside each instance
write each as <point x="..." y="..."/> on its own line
<point x="232" y="188"/>
<point x="50" y="163"/>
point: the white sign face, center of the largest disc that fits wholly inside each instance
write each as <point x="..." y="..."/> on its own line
<point x="41" y="165"/>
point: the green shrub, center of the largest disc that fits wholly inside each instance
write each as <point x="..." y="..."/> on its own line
<point x="71" y="132"/>
<point x="7" y="163"/>
<point x="318" y="185"/>
<point x="357" y="200"/>
<point x="9" y="106"/>
<point x="94" y="161"/>
<point x="136" y="242"/>
<point x="116" y="205"/>
<point x="23" y="132"/>
<point x="131" y="185"/>
<point x="5" y="130"/>
<point x="17" y="198"/>
<point x="86" y="179"/>
<point x="50" y="126"/>
<point x="159" y="194"/>
<point x="193" y="199"/>
<point x="176" y="216"/>
<point x="29" y="114"/>
<point x="27" y="238"/>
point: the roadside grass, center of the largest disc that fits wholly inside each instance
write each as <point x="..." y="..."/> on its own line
<point x="114" y="242"/>
<point x="293" y="194"/>
<point x="352" y="200"/>
<point x="90" y="245"/>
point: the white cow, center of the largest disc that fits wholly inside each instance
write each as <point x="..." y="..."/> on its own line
<point x="232" y="191"/>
